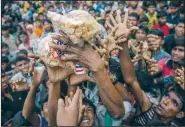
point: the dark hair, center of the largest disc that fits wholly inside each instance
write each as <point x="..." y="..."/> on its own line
<point x="107" y="12"/>
<point x="133" y="14"/>
<point x="92" y="9"/>
<point x="23" y="33"/>
<point x="181" y="21"/>
<point x="4" y="27"/>
<point x="23" y="51"/>
<point x="157" y="32"/>
<point x="5" y="59"/>
<point x="149" y="3"/>
<point x="87" y="101"/>
<point x="47" y="20"/>
<point x="178" y="42"/>
<point x="144" y="19"/>
<point x="180" y="93"/>
<point x="144" y="28"/>
<point x="175" y="3"/>
<point x="161" y="14"/>
<point x="4" y="45"/>
<point x="20" y="58"/>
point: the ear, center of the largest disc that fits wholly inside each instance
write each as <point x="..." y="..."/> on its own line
<point x="162" y="41"/>
<point x="180" y="114"/>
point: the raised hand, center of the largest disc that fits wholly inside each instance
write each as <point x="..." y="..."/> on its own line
<point x="36" y="76"/>
<point x="19" y="85"/>
<point x="55" y="74"/>
<point x="76" y="79"/>
<point x="179" y="77"/>
<point x="153" y="68"/>
<point x="68" y="111"/>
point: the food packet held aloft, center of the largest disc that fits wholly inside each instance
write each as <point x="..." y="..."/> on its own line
<point x="79" y="26"/>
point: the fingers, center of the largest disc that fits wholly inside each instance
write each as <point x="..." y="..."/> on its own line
<point x="121" y="40"/>
<point x="114" y="30"/>
<point x="61" y="105"/>
<point x="100" y="41"/>
<point x="70" y="58"/>
<point x="125" y="18"/>
<point x="113" y="20"/>
<point x="133" y="28"/>
<point x="76" y="96"/>
<point x="32" y="55"/>
<point x="71" y="95"/>
<point x="31" y="69"/>
<point x="66" y="101"/>
<point x="109" y="25"/>
<point x="118" y="16"/>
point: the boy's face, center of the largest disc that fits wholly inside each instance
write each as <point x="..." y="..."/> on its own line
<point x="45" y="111"/>
<point x="4" y="65"/>
<point x="132" y="21"/>
<point x="88" y="118"/>
<point x="177" y="53"/>
<point x="179" y="30"/>
<point x="5" y="32"/>
<point x="151" y="9"/>
<point x="154" y="42"/>
<point x="162" y="20"/>
<point x="140" y="35"/>
<point x="174" y="9"/>
<point x="22" y="66"/>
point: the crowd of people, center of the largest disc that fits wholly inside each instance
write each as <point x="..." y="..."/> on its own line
<point x="147" y="88"/>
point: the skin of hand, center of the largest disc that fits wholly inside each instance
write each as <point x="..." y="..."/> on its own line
<point x="179" y="77"/>
<point x="55" y="74"/>
<point x="154" y="69"/>
<point x="19" y="85"/>
<point x="68" y="111"/>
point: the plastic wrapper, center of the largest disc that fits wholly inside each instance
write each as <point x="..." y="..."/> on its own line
<point x="79" y="25"/>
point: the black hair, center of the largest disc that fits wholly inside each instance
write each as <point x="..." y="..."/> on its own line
<point x="180" y="93"/>
<point x="23" y="33"/>
<point x="4" y="27"/>
<point x="44" y="101"/>
<point x="121" y="2"/>
<point x="133" y="14"/>
<point x="23" y="51"/>
<point x="4" y="59"/>
<point x="144" y="19"/>
<point x="175" y="3"/>
<point x="47" y="20"/>
<point x="178" y="42"/>
<point x="161" y="14"/>
<point x="157" y="32"/>
<point x="182" y="10"/>
<point x="20" y="58"/>
<point x="107" y="12"/>
<point x="92" y="9"/>
<point x="181" y="21"/>
<point x="87" y="101"/>
<point x="144" y="28"/>
<point x="4" y="45"/>
<point x="149" y="3"/>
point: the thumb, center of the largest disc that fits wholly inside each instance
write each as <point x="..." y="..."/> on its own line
<point x="61" y="105"/>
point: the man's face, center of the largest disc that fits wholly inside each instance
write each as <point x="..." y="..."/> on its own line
<point x="140" y="35"/>
<point x="173" y="10"/>
<point x="89" y="116"/>
<point x="5" y="32"/>
<point x="23" y="38"/>
<point x="169" y="106"/>
<point x="177" y="53"/>
<point x="108" y="8"/>
<point x="154" y="42"/>
<point x="4" y="65"/>
<point x="179" y="30"/>
<point x="161" y="4"/>
<point x="22" y="66"/>
<point x="5" y="50"/>
<point x="132" y="21"/>
<point x="47" y="26"/>
<point x="162" y="20"/>
<point x="151" y="9"/>
<point x="4" y="82"/>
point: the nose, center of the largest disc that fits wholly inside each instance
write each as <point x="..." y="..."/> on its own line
<point x="166" y="101"/>
<point x="85" y="113"/>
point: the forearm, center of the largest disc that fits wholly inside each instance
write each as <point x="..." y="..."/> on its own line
<point x="54" y="95"/>
<point x="126" y="65"/>
<point x="105" y="85"/>
<point x="29" y="102"/>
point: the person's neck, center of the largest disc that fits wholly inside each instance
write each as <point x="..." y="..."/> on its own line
<point x="165" y="120"/>
<point x="151" y="14"/>
<point x="155" y="51"/>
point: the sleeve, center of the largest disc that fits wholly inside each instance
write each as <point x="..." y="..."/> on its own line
<point x="161" y="63"/>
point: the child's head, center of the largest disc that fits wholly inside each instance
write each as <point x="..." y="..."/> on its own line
<point x="162" y="17"/>
<point x="151" y="7"/>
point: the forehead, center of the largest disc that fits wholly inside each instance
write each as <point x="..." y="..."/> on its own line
<point x="21" y="62"/>
<point x="180" y="24"/>
<point x="179" y="47"/>
<point x="175" y="96"/>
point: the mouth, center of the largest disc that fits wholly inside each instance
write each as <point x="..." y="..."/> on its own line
<point x="85" y="120"/>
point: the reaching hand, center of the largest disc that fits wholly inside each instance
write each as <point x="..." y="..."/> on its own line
<point x="154" y="68"/>
<point x="68" y="111"/>
<point x="19" y="85"/>
<point x="36" y="76"/>
<point x="179" y="77"/>
<point x="76" y="79"/>
<point x="55" y="74"/>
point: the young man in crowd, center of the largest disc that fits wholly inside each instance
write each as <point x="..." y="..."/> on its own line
<point x="178" y="35"/>
<point x="174" y="15"/>
<point x="6" y="52"/>
<point x="162" y="16"/>
<point x="9" y="39"/>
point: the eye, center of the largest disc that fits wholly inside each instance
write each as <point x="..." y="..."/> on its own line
<point x="175" y="103"/>
<point x="89" y="109"/>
